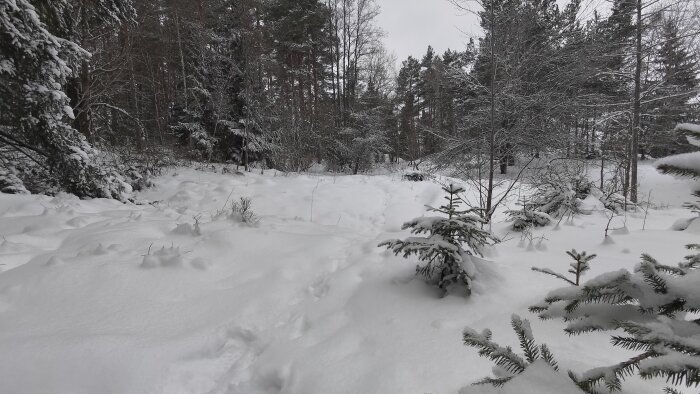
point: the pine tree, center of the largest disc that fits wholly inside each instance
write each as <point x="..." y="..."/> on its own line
<point x="653" y="306"/>
<point x="450" y="241"/>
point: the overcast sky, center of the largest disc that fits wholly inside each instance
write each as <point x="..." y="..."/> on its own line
<point x="412" y="25"/>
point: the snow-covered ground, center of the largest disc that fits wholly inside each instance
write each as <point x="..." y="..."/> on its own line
<point x="101" y="297"/>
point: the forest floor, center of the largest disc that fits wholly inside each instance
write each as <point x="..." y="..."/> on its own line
<point x="102" y="297"/>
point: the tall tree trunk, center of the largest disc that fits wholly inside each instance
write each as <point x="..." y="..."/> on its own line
<point x="182" y="60"/>
<point x="492" y="132"/>
<point x="83" y="121"/>
<point x="636" y="123"/>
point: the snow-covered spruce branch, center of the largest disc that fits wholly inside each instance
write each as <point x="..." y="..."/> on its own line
<point x="687" y="164"/>
<point x="504" y="357"/>
<point x="652" y="306"/>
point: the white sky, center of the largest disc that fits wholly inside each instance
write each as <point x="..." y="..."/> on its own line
<point x="412" y="25"/>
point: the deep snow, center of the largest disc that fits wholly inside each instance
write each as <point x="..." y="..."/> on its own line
<point x="101" y="297"/>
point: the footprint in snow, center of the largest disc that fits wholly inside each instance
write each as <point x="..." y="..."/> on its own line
<point x="99" y="250"/>
<point x="220" y="366"/>
<point x="55" y="261"/>
<point x="320" y="288"/>
<point x="300" y="325"/>
<point x="77" y="222"/>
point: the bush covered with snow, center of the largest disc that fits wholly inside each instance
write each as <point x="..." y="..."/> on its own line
<point x="10" y="183"/>
<point x="560" y="189"/>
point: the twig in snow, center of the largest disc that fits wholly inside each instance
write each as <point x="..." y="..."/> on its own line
<point x="313" y="193"/>
<point x="646" y="211"/>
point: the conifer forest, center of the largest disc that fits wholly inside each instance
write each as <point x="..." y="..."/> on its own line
<point x="277" y="196"/>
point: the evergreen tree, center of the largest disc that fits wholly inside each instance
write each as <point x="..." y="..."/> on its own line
<point x="653" y="306"/>
<point x="407" y="96"/>
<point x="527" y="217"/>
<point x="89" y="24"/>
<point x="299" y="39"/>
<point x="578" y="268"/>
<point x="366" y="136"/>
<point x="46" y="152"/>
<point x="450" y="241"/>
<point x="675" y="84"/>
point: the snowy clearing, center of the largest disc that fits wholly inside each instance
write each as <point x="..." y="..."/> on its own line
<point x="101" y="297"/>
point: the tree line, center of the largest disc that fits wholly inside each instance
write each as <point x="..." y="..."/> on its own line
<point x="95" y="92"/>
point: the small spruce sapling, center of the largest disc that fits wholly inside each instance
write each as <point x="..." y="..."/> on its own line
<point x="528" y="217"/>
<point x="449" y="242"/>
<point x="243" y="210"/>
<point x="510" y="364"/>
<point x="578" y="268"/>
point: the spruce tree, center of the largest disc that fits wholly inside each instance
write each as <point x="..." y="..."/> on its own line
<point x="578" y="268"/>
<point x="365" y="137"/>
<point x="676" y="77"/>
<point x="653" y="306"/>
<point x="407" y="98"/>
<point x="45" y="152"/>
<point x="449" y="242"/>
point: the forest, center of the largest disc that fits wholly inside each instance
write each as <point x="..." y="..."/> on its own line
<point x="116" y="89"/>
<point x="220" y="196"/>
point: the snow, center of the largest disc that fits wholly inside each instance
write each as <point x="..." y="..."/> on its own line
<point x="102" y="297"/>
<point x="538" y="378"/>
